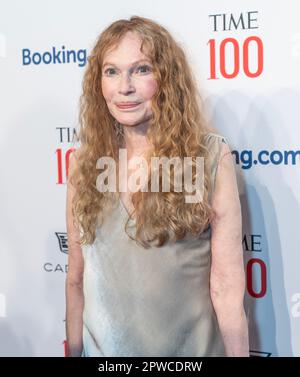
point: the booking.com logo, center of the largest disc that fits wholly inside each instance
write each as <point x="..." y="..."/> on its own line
<point x="54" y="56"/>
<point x="246" y="158"/>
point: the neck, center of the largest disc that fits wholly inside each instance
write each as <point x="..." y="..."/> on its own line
<point x="135" y="140"/>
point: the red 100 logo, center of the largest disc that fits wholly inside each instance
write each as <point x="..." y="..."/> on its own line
<point x="218" y="66"/>
<point x="63" y="164"/>
<point x="260" y="264"/>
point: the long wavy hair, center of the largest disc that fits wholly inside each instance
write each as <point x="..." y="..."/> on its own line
<point x="177" y="129"/>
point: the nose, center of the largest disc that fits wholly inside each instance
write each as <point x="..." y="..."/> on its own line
<point x="126" y="86"/>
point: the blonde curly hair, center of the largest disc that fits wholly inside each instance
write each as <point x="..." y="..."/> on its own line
<point x="177" y="128"/>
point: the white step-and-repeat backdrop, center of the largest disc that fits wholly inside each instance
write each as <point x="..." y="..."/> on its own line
<point x="246" y="56"/>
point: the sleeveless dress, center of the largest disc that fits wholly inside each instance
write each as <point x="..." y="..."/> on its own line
<point x="149" y="302"/>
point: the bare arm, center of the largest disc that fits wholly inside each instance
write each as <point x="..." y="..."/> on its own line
<point x="74" y="280"/>
<point x="227" y="281"/>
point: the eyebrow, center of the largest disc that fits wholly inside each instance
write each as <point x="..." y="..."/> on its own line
<point x="133" y="64"/>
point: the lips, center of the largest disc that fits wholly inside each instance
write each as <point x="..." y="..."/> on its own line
<point x="127" y="105"/>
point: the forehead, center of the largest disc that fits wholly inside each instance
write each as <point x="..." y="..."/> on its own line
<point x="126" y="52"/>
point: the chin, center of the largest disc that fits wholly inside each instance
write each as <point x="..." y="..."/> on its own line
<point x="129" y="121"/>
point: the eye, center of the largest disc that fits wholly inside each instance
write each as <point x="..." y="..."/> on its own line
<point x="109" y="71"/>
<point x="143" y="68"/>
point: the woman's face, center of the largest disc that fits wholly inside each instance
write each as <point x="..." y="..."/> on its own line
<point x="128" y="82"/>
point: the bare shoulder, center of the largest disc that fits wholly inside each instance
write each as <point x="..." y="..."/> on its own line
<point x="226" y="196"/>
<point x="225" y="149"/>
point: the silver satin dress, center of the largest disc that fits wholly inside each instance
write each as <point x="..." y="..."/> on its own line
<point x="149" y="302"/>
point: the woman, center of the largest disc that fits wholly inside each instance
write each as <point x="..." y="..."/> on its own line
<point x="149" y="274"/>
